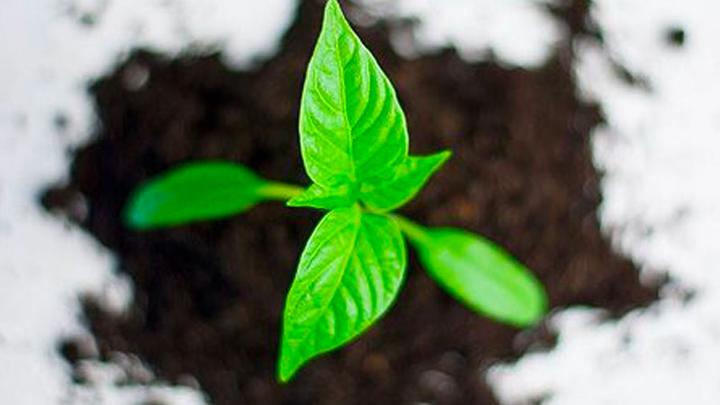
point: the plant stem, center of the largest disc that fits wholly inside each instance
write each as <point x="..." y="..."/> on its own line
<point x="415" y="232"/>
<point x="281" y="191"/>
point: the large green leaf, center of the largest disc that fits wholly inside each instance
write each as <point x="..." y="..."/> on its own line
<point x="479" y="273"/>
<point x="199" y="191"/>
<point x="349" y="274"/>
<point x="352" y="128"/>
<point x="409" y="177"/>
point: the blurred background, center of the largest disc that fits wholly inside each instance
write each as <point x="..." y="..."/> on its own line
<point x="584" y="133"/>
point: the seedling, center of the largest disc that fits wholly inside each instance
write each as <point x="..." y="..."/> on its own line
<point x="354" y="144"/>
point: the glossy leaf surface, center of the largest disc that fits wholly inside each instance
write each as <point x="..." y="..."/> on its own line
<point x="352" y="128"/>
<point x="481" y="275"/>
<point x="348" y="276"/>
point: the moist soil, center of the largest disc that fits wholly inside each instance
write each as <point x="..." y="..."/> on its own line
<point x="208" y="297"/>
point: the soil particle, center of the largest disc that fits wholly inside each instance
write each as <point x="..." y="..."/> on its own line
<point x="675" y="36"/>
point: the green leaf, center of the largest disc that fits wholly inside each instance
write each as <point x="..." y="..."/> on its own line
<point x="352" y="128"/>
<point x="199" y="191"/>
<point x="479" y="274"/>
<point x="348" y="276"/>
<point x="409" y="178"/>
<point x="317" y="196"/>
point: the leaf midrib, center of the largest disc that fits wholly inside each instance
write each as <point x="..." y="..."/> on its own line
<point x="341" y="79"/>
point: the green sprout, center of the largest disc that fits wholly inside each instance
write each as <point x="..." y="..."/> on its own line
<point x="354" y="144"/>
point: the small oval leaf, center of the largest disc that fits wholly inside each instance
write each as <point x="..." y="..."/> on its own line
<point x="349" y="274"/>
<point x="317" y="196"/>
<point x="407" y="180"/>
<point x="197" y="191"/>
<point x="351" y="123"/>
<point x="481" y="275"/>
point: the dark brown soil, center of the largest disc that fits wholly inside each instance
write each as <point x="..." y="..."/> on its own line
<point x="208" y="298"/>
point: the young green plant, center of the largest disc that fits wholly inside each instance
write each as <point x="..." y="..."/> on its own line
<point x="354" y="144"/>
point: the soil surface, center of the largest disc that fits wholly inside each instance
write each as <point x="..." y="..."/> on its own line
<point x="208" y="297"/>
